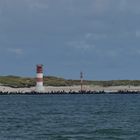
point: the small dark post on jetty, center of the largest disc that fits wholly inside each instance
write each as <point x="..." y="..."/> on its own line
<point x="81" y="80"/>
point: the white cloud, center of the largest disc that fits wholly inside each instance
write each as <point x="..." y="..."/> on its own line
<point x="16" y="51"/>
<point x="101" y="6"/>
<point x="138" y="34"/>
<point x="112" y="53"/>
<point x="96" y="36"/>
<point x="37" y="4"/>
<point x="138" y="52"/>
<point x="123" y="5"/>
<point x="88" y="35"/>
<point x="82" y="45"/>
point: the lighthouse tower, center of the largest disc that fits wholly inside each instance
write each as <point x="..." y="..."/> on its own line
<point x="39" y="78"/>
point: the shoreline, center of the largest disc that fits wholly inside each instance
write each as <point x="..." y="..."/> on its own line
<point x="72" y="90"/>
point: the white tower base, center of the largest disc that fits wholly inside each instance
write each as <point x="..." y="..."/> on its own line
<point x="40" y="89"/>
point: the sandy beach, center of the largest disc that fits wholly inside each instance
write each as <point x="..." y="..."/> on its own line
<point x="72" y="88"/>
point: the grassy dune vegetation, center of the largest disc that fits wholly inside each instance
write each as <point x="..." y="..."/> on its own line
<point x="17" y="82"/>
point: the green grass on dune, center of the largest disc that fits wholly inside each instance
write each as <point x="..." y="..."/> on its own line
<point x="17" y="82"/>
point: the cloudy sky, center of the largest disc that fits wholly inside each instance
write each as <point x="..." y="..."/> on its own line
<point x="99" y="37"/>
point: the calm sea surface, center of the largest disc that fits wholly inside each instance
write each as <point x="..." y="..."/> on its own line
<point x="70" y="117"/>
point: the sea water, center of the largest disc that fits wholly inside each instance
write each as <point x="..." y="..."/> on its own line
<point x="70" y="117"/>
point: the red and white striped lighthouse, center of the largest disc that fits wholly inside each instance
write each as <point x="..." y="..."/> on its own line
<point x="39" y="78"/>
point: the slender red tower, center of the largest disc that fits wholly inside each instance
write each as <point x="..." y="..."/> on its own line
<point x="39" y="78"/>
